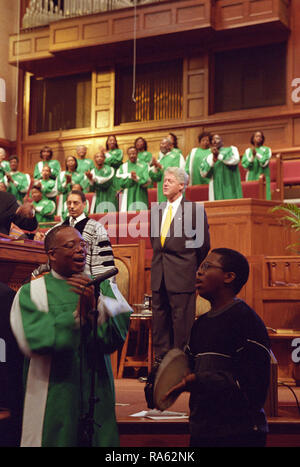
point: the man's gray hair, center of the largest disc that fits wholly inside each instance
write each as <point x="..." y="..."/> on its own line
<point x="180" y="175"/>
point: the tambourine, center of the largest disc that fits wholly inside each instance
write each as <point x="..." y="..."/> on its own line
<point x="172" y="369"/>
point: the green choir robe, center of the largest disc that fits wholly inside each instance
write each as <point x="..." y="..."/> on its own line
<point x="224" y="175"/>
<point x="144" y="156"/>
<point x="4" y="167"/>
<point x="114" y="158"/>
<point x="258" y="165"/>
<point x="54" y="166"/>
<point x="192" y="166"/>
<point x="44" y="210"/>
<point x="57" y="347"/>
<point x="135" y="193"/>
<point x="64" y="188"/>
<point x="105" y="199"/>
<point x="20" y="186"/>
<point x="50" y="188"/>
<point x="85" y="165"/>
<point x="171" y="159"/>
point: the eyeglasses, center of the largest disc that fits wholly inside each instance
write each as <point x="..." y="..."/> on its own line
<point x="71" y="246"/>
<point x="205" y="266"/>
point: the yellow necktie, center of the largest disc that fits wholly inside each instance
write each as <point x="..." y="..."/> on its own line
<point x="166" y="226"/>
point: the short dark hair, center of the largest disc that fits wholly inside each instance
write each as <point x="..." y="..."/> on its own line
<point x="234" y="261"/>
<point x="13" y="157"/>
<point x="131" y="147"/>
<point x="51" y="235"/>
<point x="79" y="193"/>
<point x="36" y="187"/>
<point x="203" y="134"/>
<point x="262" y="135"/>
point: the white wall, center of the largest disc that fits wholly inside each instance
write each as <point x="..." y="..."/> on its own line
<point x="8" y="25"/>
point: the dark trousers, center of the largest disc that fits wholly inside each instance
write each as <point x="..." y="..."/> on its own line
<point x="173" y="315"/>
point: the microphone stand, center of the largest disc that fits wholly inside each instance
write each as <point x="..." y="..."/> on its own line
<point x="87" y="423"/>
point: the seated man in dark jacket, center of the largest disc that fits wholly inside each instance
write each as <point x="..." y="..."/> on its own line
<point x="11" y="212"/>
<point x="230" y="360"/>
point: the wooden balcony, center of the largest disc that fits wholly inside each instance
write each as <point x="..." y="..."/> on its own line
<point x="167" y="26"/>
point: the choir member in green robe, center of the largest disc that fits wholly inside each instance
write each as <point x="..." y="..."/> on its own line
<point x="46" y="155"/>
<point x="222" y="167"/>
<point x="114" y="155"/>
<point x="44" y="207"/>
<point x="194" y="159"/>
<point x="52" y="318"/>
<point x="85" y="164"/>
<point x="47" y="184"/>
<point x="167" y="158"/>
<point x="133" y="179"/>
<point x="18" y="182"/>
<point x="174" y="143"/>
<point x="256" y="160"/>
<point x="142" y="149"/>
<point x="4" y="164"/>
<point x="101" y="180"/>
<point x="114" y="158"/>
<point x="67" y="178"/>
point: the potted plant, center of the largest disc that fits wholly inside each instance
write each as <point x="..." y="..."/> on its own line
<point x="292" y="216"/>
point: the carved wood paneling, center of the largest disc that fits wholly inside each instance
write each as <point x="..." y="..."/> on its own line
<point x="233" y="13"/>
<point x="103" y="105"/>
<point x="29" y="45"/>
<point x="195" y="93"/>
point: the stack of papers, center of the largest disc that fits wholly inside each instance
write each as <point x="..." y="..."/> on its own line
<point x="158" y="415"/>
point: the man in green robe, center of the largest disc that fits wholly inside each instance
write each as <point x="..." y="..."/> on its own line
<point x="52" y="319"/>
<point x="133" y="179"/>
<point x="84" y="163"/>
<point x="194" y="159"/>
<point x="222" y="167"/>
<point x="167" y="158"/>
<point x="256" y="160"/>
<point x="18" y="183"/>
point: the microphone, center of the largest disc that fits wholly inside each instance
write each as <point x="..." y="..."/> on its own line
<point x="102" y="277"/>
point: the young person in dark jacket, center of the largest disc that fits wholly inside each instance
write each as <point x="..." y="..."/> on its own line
<point x="229" y="360"/>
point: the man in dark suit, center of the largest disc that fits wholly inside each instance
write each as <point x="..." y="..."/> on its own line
<point x="179" y="246"/>
<point x="10" y="211"/>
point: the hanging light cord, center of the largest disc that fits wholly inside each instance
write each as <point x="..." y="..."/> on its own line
<point x="17" y="77"/>
<point x="134" y="54"/>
